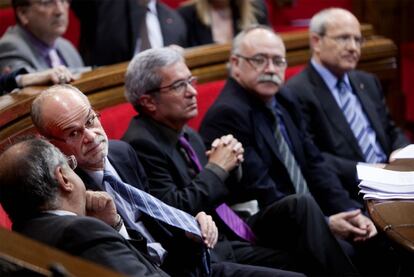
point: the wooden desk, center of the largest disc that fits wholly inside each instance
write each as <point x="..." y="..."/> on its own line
<point x="395" y="217"/>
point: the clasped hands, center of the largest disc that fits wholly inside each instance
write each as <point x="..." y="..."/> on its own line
<point x="226" y="152"/>
<point x="352" y="225"/>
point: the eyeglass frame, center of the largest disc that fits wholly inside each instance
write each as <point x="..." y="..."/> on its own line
<point x="92" y="116"/>
<point x="49" y="3"/>
<point x="72" y="161"/>
<point x="266" y="64"/>
<point x="344" y="40"/>
<point x="192" y="81"/>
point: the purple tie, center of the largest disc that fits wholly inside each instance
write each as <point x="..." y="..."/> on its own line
<point x="232" y="220"/>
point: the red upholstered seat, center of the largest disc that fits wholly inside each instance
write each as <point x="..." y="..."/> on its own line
<point x="4" y="219"/>
<point x="115" y="119"/>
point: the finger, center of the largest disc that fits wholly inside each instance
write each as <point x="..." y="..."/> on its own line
<point x="215" y="143"/>
<point x="351" y="214"/>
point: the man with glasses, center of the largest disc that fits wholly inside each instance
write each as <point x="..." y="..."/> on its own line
<point x="48" y="202"/>
<point x="287" y="234"/>
<point x="170" y="238"/>
<point x="280" y="159"/>
<point x="344" y="109"/>
<point x="36" y="42"/>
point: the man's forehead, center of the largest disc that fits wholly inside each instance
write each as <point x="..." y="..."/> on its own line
<point x="261" y="42"/>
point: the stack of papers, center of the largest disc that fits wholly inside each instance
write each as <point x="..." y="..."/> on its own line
<point x="379" y="183"/>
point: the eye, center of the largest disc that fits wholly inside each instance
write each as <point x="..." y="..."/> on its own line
<point x="90" y="121"/>
<point x="179" y="86"/>
<point x="259" y="60"/>
<point x="74" y="134"/>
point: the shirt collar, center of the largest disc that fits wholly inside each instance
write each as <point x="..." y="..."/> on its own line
<point x="41" y="47"/>
<point x="329" y="79"/>
<point x="60" y="212"/>
<point x="152" y="6"/>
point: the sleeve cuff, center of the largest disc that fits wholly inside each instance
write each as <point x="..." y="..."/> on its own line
<point x="221" y="173"/>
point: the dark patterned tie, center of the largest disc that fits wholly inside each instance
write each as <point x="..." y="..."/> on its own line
<point x="357" y="124"/>
<point x="232" y="220"/>
<point x="143" y="33"/>
<point x="288" y="159"/>
<point x="155" y="208"/>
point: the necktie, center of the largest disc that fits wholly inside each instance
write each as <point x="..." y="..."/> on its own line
<point x="232" y="220"/>
<point x="357" y="123"/>
<point x="155" y="208"/>
<point x="295" y="174"/>
<point x="54" y="58"/>
<point x="145" y="42"/>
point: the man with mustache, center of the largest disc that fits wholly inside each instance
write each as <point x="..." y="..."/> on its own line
<point x="280" y="158"/>
<point x="35" y="43"/>
<point x="286" y="234"/>
<point x="372" y="137"/>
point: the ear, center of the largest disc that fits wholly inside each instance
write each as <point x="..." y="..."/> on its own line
<point x="315" y="42"/>
<point x="148" y="102"/>
<point x="62" y="178"/>
<point x="234" y="65"/>
<point x="21" y="13"/>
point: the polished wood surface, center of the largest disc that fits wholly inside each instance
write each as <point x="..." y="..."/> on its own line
<point x="34" y="256"/>
<point x="105" y="86"/>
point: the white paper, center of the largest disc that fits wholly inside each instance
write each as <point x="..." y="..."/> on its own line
<point x="385" y="176"/>
<point x="405" y="153"/>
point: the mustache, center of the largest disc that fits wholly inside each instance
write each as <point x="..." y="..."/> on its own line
<point x="270" y="78"/>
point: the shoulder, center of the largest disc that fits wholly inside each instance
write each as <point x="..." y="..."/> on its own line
<point x="13" y="39"/>
<point x="64" y="43"/>
<point x="187" y="11"/>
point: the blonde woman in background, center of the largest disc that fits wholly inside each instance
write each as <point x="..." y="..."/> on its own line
<point x="218" y="21"/>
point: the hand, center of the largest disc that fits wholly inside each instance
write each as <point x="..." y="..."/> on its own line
<point x="208" y="228"/>
<point x="58" y="75"/>
<point x="350" y="225"/>
<point x="226" y="152"/>
<point x="100" y="205"/>
<point x="365" y="223"/>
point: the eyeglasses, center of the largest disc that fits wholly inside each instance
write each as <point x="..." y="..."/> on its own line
<point x="50" y="3"/>
<point x="261" y="61"/>
<point x="344" y="40"/>
<point x="72" y="162"/>
<point x="76" y="135"/>
<point x="178" y="87"/>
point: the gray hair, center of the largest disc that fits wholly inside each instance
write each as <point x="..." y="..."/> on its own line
<point x="320" y="20"/>
<point x="142" y="74"/>
<point x="239" y="38"/>
<point x="38" y="104"/>
<point x="27" y="181"/>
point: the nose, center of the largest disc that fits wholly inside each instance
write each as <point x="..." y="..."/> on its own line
<point x="60" y="6"/>
<point x="270" y="66"/>
<point x="88" y="135"/>
<point x="191" y="90"/>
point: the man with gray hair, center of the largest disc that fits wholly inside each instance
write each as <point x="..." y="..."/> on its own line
<point x="286" y="234"/>
<point x="343" y="108"/>
<point x="48" y="202"/>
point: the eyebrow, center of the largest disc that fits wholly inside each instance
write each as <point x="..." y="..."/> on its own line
<point x="70" y="128"/>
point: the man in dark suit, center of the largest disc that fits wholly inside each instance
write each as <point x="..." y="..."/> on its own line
<point x="48" y="202"/>
<point x="64" y="115"/>
<point x="160" y="87"/>
<point x="111" y="30"/>
<point x="335" y="39"/>
<point x="280" y="159"/>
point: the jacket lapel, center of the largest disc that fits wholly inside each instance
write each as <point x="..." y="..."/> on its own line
<point x="332" y="111"/>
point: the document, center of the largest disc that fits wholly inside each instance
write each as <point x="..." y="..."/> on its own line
<point x="405" y="153"/>
<point x="380" y="183"/>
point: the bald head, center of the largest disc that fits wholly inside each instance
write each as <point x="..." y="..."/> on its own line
<point x="50" y="104"/>
<point x="325" y="18"/>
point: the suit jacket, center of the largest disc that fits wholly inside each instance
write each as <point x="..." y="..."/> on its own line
<point x="17" y="51"/>
<point x="91" y="239"/>
<point x="8" y="81"/>
<point x="238" y="112"/>
<point x="199" y="34"/>
<point x="110" y="29"/>
<point x="183" y="254"/>
<point x="329" y="128"/>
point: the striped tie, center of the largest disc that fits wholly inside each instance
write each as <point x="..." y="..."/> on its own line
<point x="358" y="125"/>
<point x="232" y="220"/>
<point x="155" y="208"/>
<point x="299" y="182"/>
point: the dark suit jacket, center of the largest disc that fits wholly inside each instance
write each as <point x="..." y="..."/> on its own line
<point x="199" y="34"/>
<point x="238" y="112"/>
<point x="91" y="239"/>
<point x="329" y="129"/>
<point x="183" y="254"/>
<point x="8" y="81"/>
<point x="110" y="29"/>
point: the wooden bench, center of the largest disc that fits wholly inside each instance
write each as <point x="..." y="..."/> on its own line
<point x="105" y="86"/>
